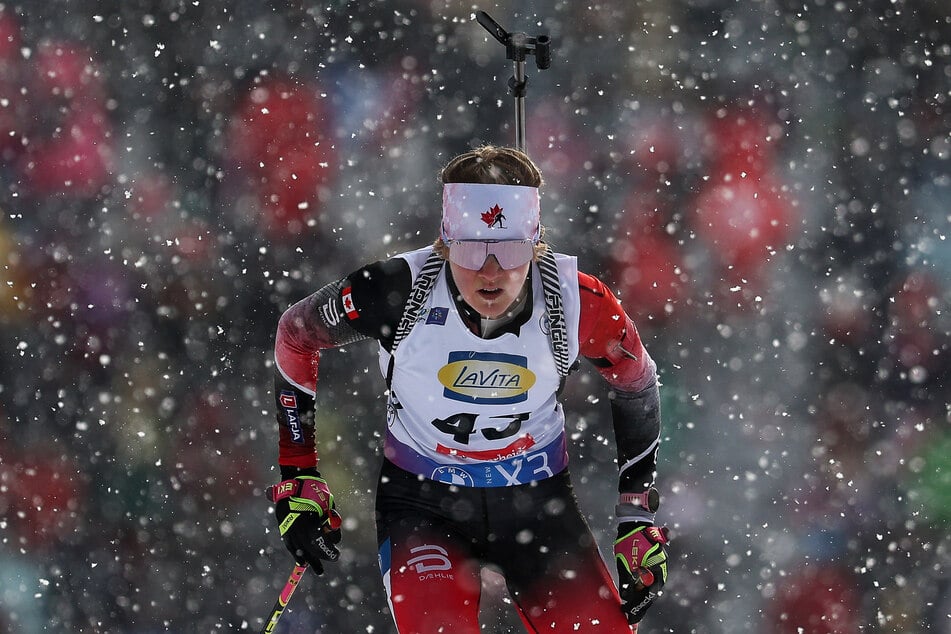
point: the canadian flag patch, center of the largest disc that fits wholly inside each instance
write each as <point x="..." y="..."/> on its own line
<point x="348" y="307"/>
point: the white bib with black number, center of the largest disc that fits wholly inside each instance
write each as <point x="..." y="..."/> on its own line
<point x="473" y="411"/>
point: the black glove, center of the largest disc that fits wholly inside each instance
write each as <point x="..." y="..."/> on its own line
<point x="641" y="554"/>
<point x="307" y="519"/>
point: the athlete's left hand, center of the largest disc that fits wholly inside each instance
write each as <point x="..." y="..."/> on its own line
<point x="640" y="551"/>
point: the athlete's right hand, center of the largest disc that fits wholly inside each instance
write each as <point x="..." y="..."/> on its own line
<point x="307" y="519"/>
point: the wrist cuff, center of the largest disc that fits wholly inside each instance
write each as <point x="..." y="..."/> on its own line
<point x="290" y="471"/>
<point x="307" y="488"/>
<point x="631" y="513"/>
<point x="284" y="489"/>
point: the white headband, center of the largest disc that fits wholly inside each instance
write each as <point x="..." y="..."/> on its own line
<point x="478" y="211"/>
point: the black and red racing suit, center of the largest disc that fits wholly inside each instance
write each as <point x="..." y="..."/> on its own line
<point x="435" y="536"/>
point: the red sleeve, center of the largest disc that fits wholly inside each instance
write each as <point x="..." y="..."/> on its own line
<point x="297" y="346"/>
<point x="297" y="356"/>
<point x="367" y="303"/>
<point x="608" y="337"/>
<point x="313" y="324"/>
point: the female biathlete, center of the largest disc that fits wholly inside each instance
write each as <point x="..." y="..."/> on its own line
<point x="477" y="335"/>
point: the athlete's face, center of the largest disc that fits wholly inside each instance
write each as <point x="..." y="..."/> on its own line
<point x="491" y="289"/>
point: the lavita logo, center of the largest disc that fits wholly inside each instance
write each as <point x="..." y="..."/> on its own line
<point x="490" y="378"/>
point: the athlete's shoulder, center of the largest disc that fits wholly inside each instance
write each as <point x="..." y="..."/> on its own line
<point x="602" y="317"/>
<point x="594" y="289"/>
<point x="374" y="295"/>
<point x="381" y="276"/>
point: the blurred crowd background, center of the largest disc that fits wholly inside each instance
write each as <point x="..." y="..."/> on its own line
<point x="765" y="184"/>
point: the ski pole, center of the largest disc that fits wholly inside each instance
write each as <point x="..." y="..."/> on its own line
<point x="284" y="598"/>
<point x="517" y="46"/>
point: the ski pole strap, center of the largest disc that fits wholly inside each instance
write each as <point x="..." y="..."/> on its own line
<point x="558" y="331"/>
<point x="422" y="287"/>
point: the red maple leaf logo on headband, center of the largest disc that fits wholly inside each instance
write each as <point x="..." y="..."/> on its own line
<point x="494" y="217"/>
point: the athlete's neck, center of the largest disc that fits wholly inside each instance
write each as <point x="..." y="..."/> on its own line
<point x="491" y="325"/>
